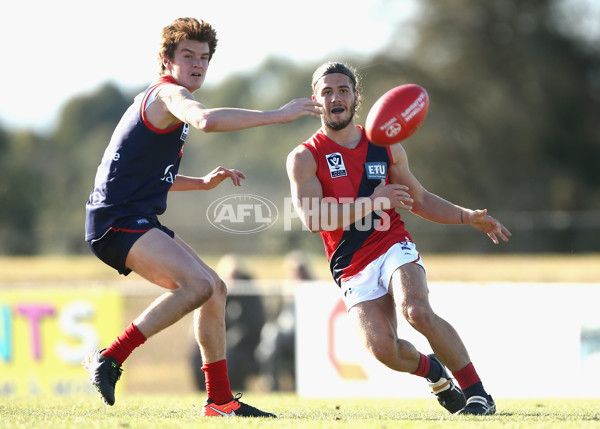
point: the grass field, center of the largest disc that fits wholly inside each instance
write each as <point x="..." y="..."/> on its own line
<point x="162" y="412"/>
<point x="139" y="410"/>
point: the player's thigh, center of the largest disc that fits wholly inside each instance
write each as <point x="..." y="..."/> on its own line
<point x="408" y="285"/>
<point x="220" y="289"/>
<point x="375" y="321"/>
<point x="162" y="260"/>
<point x="197" y="258"/>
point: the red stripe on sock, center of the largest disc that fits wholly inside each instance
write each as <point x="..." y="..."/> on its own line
<point x="125" y="344"/>
<point x="424" y="365"/>
<point x="217" y="382"/>
<point x="467" y="376"/>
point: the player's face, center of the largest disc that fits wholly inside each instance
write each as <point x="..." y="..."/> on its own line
<point x="335" y="92"/>
<point x="189" y="64"/>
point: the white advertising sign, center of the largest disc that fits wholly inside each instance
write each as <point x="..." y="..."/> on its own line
<point x="525" y="340"/>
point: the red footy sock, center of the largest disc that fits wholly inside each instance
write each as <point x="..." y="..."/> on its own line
<point x="125" y="343"/>
<point x="467" y="376"/>
<point x="424" y="365"/>
<point x="217" y="382"/>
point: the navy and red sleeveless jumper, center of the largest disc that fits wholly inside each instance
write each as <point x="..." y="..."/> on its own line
<point x="137" y="170"/>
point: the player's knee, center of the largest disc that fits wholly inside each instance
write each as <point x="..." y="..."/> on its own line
<point x="384" y="353"/>
<point x="393" y="353"/>
<point x="199" y="289"/>
<point x="419" y="316"/>
<point x="385" y="350"/>
<point x="221" y="288"/>
<point x="220" y="291"/>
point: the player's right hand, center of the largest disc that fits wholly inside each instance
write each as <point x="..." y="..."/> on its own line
<point x="390" y="196"/>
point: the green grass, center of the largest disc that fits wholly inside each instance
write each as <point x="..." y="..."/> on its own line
<point x="149" y="412"/>
<point x="183" y="411"/>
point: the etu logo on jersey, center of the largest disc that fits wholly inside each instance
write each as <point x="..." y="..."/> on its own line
<point x="336" y="165"/>
<point x="376" y="170"/>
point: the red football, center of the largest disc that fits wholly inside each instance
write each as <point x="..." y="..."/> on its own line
<point x="397" y="114"/>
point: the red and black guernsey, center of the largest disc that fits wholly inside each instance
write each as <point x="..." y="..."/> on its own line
<point x="345" y="175"/>
<point x="137" y="170"/>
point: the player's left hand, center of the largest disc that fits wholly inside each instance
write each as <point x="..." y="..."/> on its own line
<point x="300" y="107"/>
<point x="215" y="177"/>
<point x="480" y="220"/>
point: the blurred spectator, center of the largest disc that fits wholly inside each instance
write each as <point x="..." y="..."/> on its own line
<point x="244" y="318"/>
<point x="277" y="349"/>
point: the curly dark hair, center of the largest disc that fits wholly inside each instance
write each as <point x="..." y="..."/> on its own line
<point x="185" y="29"/>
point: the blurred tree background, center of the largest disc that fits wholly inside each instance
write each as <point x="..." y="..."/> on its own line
<point x="514" y="91"/>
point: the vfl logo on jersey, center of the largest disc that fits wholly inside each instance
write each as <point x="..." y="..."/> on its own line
<point x="376" y="170"/>
<point x="336" y="165"/>
<point x="184" y="133"/>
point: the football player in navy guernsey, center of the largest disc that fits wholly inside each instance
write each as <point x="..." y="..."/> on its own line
<point x="348" y="190"/>
<point x="138" y="169"/>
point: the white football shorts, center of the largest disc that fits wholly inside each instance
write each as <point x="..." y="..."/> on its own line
<point x="373" y="281"/>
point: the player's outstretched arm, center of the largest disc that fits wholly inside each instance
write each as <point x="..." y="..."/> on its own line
<point x="182" y="105"/>
<point x="436" y="209"/>
<point x="232" y="119"/>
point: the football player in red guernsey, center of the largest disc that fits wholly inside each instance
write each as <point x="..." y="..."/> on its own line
<point x="348" y="190"/>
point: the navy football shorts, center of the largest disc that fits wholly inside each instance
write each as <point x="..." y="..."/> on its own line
<point x="112" y="248"/>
